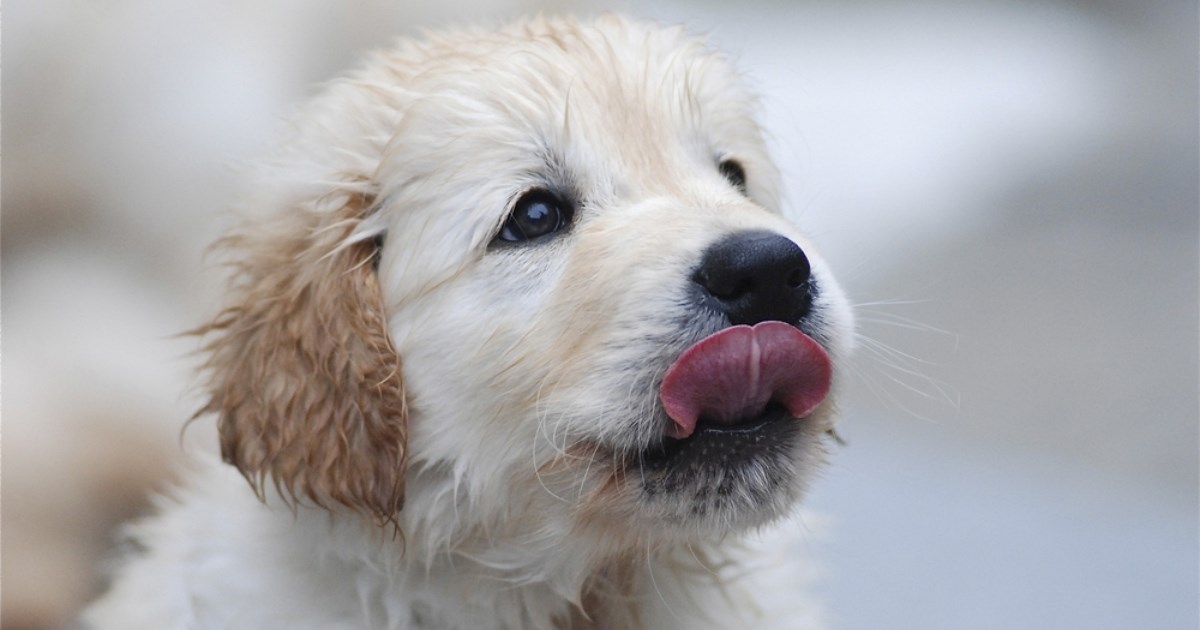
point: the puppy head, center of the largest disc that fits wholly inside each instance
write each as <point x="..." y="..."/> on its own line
<point x="571" y="212"/>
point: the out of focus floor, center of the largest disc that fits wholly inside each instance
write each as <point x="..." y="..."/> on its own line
<point x="932" y="530"/>
<point x="1008" y="190"/>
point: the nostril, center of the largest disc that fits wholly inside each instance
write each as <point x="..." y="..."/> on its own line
<point x="796" y="278"/>
<point x="801" y="269"/>
<point x="723" y="286"/>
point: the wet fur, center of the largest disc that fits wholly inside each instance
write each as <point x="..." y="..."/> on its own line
<point x="447" y="433"/>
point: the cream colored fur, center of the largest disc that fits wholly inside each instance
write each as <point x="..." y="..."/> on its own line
<point x="442" y="433"/>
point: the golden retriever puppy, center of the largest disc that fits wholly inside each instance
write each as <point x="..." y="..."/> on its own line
<point x="517" y="337"/>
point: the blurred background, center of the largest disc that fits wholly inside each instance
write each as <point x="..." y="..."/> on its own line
<point x="1008" y="191"/>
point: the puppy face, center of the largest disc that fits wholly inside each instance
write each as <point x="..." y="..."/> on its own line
<point x="587" y="316"/>
<point x="568" y="211"/>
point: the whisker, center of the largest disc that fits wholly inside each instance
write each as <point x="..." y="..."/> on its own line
<point x="654" y="582"/>
<point x="884" y="351"/>
<point x="904" y="323"/>
<point x="892" y="374"/>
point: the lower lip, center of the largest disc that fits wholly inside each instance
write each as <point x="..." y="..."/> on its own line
<point x="727" y="442"/>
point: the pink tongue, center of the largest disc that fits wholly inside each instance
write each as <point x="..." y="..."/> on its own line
<point x="731" y="375"/>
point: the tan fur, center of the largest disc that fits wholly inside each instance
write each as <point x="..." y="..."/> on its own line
<point x="304" y="378"/>
<point x="536" y="495"/>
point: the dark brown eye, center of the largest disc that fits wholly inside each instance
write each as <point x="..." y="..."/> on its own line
<point x="537" y="213"/>
<point x="733" y="171"/>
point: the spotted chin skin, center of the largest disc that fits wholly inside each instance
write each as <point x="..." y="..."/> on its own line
<point x="729" y="476"/>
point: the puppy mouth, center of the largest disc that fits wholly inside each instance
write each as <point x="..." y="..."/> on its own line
<point x="739" y="395"/>
<point x="726" y="444"/>
<point x="732" y="375"/>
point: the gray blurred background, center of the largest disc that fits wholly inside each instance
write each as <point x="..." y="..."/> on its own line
<point x="1008" y="191"/>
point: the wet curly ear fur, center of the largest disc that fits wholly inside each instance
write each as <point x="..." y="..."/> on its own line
<point x="302" y="374"/>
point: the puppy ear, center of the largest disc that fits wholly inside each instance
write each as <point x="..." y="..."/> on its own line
<point x="302" y="374"/>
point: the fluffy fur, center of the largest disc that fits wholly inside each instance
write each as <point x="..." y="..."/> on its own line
<point x="444" y="431"/>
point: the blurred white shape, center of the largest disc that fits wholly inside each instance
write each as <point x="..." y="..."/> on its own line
<point x="900" y="124"/>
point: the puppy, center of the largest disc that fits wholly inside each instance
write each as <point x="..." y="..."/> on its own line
<point x="516" y="338"/>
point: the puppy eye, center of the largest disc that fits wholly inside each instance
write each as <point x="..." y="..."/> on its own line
<point x="733" y="171"/>
<point x="537" y="213"/>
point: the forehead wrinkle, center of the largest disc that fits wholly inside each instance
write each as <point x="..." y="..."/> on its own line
<point x="654" y="119"/>
<point x="645" y="109"/>
<point x="565" y="53"/>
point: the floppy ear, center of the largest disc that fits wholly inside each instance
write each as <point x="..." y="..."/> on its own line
<point x="302" y="373"/>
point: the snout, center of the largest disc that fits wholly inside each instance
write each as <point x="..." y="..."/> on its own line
<point x="727" y="322"/>
<point x="755" y="276"/>
<point x="759" y="361"/>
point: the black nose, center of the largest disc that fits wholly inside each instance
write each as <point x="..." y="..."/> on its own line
<point x="756" y="276"/>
